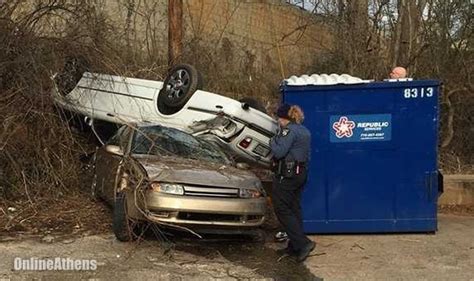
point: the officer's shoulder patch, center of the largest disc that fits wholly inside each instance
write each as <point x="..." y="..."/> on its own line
<point x="285" y="132"/>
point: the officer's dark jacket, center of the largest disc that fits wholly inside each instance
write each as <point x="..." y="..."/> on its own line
<point x="292" y="143"/>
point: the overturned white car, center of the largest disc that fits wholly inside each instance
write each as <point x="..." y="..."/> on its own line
<point x="240" y="127"/>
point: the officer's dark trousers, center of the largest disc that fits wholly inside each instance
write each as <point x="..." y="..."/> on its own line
<point x="286" y="203"/>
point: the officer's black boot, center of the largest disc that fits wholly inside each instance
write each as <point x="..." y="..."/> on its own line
<point x="304" y="253"/>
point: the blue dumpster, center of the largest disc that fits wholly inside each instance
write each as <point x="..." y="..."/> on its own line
<point x="373" y="165"/>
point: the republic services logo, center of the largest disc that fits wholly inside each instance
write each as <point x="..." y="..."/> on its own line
<point x="343" y="127"/>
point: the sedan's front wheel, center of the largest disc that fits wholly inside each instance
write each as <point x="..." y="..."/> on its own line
<point x="125" y="228"/>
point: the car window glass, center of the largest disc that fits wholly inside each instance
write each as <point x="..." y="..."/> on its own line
<point x="162" y="141"/>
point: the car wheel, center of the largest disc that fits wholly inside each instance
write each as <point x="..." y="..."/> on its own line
<point x="125" y="228"/>
<point x="180" y="84"/>
<point x="67" y="79"/>
<point x="254" y="103"/>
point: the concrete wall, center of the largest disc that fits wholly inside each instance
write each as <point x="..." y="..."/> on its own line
<point x="242" y="47"/>
<point x="458" y="190"/>
<point x="254" y="34"/>
<point x="258" y="34"/>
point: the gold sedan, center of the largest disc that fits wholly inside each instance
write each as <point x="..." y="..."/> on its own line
<point x="163" y="175"/>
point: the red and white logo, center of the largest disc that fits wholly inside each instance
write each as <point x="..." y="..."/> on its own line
<point x="343" y="127"/>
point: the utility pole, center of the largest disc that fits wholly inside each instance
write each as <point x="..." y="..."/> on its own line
<point x="175" y="31"/>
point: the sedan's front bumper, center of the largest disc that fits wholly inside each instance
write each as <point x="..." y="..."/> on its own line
<point x="195" y="210"/>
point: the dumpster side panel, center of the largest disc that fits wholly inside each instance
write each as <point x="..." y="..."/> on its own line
<point x="417" y="189"/>
<point x="374" y="156"/>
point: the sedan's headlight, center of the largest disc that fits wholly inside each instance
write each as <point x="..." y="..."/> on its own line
<point x="169" y="188"/>
<point x="250" y="193"/>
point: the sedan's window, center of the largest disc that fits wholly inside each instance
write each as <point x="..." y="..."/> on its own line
<point x="157" y="140"/>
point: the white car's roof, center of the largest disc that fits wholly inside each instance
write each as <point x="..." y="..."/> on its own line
<point x="324" y="79"/>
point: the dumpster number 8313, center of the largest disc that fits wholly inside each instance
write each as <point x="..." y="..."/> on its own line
<point x="413" y="93"/>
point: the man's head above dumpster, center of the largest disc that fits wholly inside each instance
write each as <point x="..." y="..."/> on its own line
<point x="398" y="72"/>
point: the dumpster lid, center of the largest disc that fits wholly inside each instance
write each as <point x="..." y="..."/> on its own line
<point x="324" y="79"/>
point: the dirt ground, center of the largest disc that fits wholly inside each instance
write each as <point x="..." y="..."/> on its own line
<point x="448" y="254"/>
<point x="72" y="215"/>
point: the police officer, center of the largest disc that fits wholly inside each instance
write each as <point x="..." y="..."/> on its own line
<point x="291" y="150"/>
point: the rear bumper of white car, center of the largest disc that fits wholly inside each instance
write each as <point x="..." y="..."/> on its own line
<point x="248" y="145"/>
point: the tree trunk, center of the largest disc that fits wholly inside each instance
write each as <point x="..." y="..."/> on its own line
<point x="175" y="31"/>
<point x="352" y="36"/>
<point x="408" y="28"/>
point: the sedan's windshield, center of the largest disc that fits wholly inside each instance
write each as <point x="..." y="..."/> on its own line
<point x="163" y="141"/>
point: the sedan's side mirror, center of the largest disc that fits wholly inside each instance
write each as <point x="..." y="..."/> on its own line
<point x="114" y="149"/>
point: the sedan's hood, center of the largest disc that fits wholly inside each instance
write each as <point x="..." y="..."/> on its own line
<point x="193" y="172"/>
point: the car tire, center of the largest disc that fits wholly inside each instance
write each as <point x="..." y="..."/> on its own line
<point x="254" y="103"/>
<point x="72" y="72"/>
<point x="179" y="86"/>
<point x="125" y="228"/>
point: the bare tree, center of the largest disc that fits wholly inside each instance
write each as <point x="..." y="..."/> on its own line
<point x="175" y="31"/>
